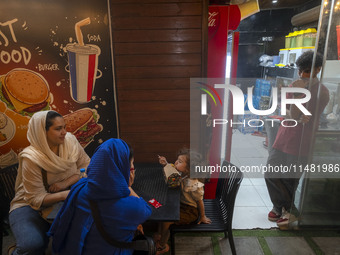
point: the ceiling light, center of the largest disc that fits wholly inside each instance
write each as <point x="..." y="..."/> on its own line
<point x="274" y="1"/>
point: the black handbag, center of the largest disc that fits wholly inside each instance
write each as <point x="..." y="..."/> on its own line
<point x="142" y="245"/>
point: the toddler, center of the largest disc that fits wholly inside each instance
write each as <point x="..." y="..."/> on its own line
<point x="192" y="207"/>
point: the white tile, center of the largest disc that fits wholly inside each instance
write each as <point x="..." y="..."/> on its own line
<point x="263" y="192"/>
<point x="254" y="171"/>
<point x="234" y="159"/>
<point x="269" y="208"/>
<point x="257" y="142"/>
<point x="238" y="138"/>
<point x="251" y="217"/>
<point x="241" y="141"/>
<point x="246" y="152"/>
<point x="252" y="203"/>
<point x="248" y="161"/>
<point x="246" y="182"/>
<point x="258" y="181"/>
<point x="248" y="196"/>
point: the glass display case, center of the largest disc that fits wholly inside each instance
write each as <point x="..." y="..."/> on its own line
<point x="331" y="79"/>
<point x="318" y="193"/>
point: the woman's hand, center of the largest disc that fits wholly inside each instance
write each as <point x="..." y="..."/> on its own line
<point x="58" y="186"/>
<point x="52" y="198"/>
<point x="133" y="193"/>
<point x="140" y="229"/>
<point x="63" y="185"/>
<point x="204" y="219"/>
<point x="64" y="194"/>
<point x="162" y="160"/>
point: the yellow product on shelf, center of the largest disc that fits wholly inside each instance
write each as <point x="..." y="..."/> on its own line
<point x="299" y="38"/>
<point x="309" y="37"/>
<point x="293" y="40"/>
<point x="288" y="39"/>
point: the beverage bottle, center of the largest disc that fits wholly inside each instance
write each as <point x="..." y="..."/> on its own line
<point x="83" y="173"/>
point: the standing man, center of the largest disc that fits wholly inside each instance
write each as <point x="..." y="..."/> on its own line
<point x="292" y="144"/>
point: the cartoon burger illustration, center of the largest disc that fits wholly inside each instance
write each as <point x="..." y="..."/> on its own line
<point x="83" y="124"/>
<point x="24" y="91"/>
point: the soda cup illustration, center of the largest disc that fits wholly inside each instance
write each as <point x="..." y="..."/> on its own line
<point x="83" y="66"/>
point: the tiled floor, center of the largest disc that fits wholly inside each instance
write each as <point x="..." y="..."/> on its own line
<point x="253" y="242"/>
<point x="260" y="242"/>
<point x="252" y="203"/>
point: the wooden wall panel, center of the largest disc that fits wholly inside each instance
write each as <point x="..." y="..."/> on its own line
<point x="154" y="1"/>
<point x="153" y="83"/>
<point x="158" y="60"/>
<point x="166" y="72"/>
<point x="154" y="95"/>
<point x="157" y="35"/>
<point x="155" y="107"/>
<point x="151" y="9"/>
<point x="152" y="117"/>
<point x="158" y="46"/>
<point x="156" y="22"/>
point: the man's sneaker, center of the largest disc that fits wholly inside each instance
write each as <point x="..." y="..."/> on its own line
<point x="286" y="220"/>
<point x="273" y="215"/>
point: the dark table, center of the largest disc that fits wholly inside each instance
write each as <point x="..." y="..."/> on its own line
<point x="54" y="212"/>
<point x="149" y="183"/>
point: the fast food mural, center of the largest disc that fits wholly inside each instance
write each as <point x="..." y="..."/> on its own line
<point x="55" y="55"/>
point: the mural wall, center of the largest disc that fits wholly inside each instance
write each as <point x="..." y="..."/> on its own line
<point x="55" y="55"/>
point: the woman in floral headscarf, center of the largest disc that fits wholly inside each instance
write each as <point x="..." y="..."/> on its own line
<point x="121" y="210"/>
